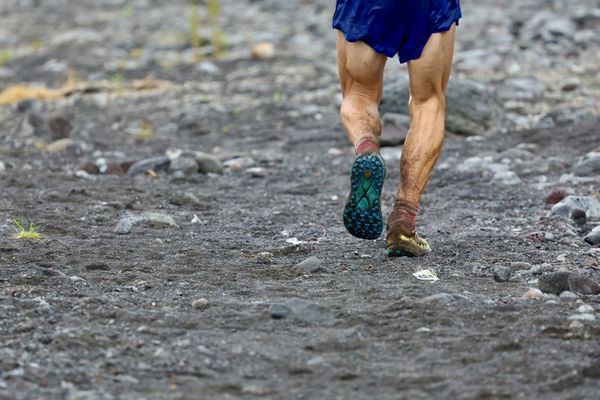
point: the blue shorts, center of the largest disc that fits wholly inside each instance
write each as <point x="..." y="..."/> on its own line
<point x="393" y="27"/>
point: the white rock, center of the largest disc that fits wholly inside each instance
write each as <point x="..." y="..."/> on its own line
<point x="533" y="293"/>
<point x="582" y="317"/>
<point x="585" y="308"/>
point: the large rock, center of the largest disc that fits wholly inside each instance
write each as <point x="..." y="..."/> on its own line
<point x="472" y="108"/>
<point x="588" y="204"/>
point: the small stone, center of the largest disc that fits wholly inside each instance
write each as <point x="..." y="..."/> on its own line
<point x="557" y="194"/>
<point x="59" y="145"/>
<point x="59" y="127"/>
<point x="502" y="274"/>
<point x="208" y="164"/>
<point x="593" y="238"/>
<point x="155" y="164"/>
<point x="506" y="178"/>
<point x="555" y="283"/>
<point x="262" y="51"/>
<point x="114" y="169"/>
<point x="568" y="295"/>
<point x="532" y="294"/>
<point x="582" y="317"/>
<point x="443" y="298"/>
<point x="279" y="311"/>
<point x="89" y="167"/>
<point x="310" y="264"/>
<point x="126" y="223"/>
<point x="578" y="216"/>
<point x="257" y="172"/>
<point x="208" y="67"/>
<point x="239" y="163"/>
<point x="585" y="308"/>
<point x="184" y="165"/>
<point x="576" y="325"/>
<point x="200" y="304"/>
<point x="589" y="165"/>
<point x="583" y="285"/>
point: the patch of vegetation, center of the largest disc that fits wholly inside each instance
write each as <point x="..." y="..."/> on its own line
<point x="5" y="57"/>
<point x="28" y="233"/>
<point x="213" y="13"/>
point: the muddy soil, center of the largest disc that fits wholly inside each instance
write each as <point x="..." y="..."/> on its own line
<point x="191" y="311"/>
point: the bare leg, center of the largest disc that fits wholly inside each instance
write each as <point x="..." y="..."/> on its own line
<point x="361" y="78"/>
<point x="428" y="80"/>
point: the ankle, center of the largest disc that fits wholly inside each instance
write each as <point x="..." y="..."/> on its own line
<point x="366" y="145"/>
<point x="404" y="217"/>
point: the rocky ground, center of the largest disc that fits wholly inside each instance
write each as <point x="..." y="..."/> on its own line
<point x="189" y="204"/>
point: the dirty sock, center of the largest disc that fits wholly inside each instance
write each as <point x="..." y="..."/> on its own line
<point x="366" y="145"/>
<point x="404" y="217"/>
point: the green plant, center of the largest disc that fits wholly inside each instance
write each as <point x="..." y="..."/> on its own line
<point x="29" y="233"/>
<point x="213" y="13"/>
<point x="194" y="24"/>
<point x="4" y="57"/>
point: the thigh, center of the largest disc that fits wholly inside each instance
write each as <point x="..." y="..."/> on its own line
<point x="430" y="72"/>
<point x="360" y="67"/>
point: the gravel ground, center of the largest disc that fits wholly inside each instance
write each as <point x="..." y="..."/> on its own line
<point x="223" y="271"/>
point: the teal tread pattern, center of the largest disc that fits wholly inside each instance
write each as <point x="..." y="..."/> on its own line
<point x="362" y="214"/>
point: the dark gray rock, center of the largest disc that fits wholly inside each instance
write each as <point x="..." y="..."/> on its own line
<point x="442" y="298"/>
<point x="394" y="129"/>
<point x="208" y="164"/>
<point x="593" y="237"/>
<point x="155" y="164"/>
<point x="502" y="274"/>
<point x="472" y="108"/>
<point x="555" y="283"/>
<point x="559" y="282"/>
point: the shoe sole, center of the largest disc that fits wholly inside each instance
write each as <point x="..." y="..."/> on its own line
<point x="362" y="214"/>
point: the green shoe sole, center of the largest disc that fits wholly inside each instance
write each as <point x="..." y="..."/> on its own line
<point x="362" y="214"/>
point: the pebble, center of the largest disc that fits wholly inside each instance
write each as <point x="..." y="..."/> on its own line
<point x="239" y="163"/>
<point x="59" y="127"/>
<point x="533" y="293"/>
<point x="588" y="204"/>
<point x="583" y="285"/>
<point x="208" y="164"/>
<point x="585" y="308"/>
<point x="156" y="164"/>
<point x="568" y="295"/>
<point x="578" y="216"/>
<point x="443" y="298"/>
<point x="279" y="311"/>
<point x="310" y="264"/>
<point x="257" y="172"/>
<point x="582" y="317"/>
<point x="557" y="194"/>
<point x="589" y="165"/>
<point x="262" y="51"/>
<point x="555" y="283"/>
<point x="59" y="145"/>
<point x="521" y="88"/>
<point x="200" y="304"/>
<point x="126" y="223"/>
<point x="89" y="167"/>
<point x="2" y="167"/>
<point x="113" y="168"/>
<point x="303" y="310"/>
<point x="502" y="274"/>
<point x="208" y="67"/>
<point x="593" y="238"/>
<point x="183" y="165"/>
<point x="506" y="178"/>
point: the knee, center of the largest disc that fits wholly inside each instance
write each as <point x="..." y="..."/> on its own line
<point x="433" y="102"/>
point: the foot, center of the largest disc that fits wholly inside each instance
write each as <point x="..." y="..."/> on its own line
<point x="362" y="214"/>
<point x="399" y="245"/>
<point x="402" y="238"/>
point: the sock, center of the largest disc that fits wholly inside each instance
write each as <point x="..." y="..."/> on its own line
<point x="366" y="145"/>
<point x="403" y="217"/>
